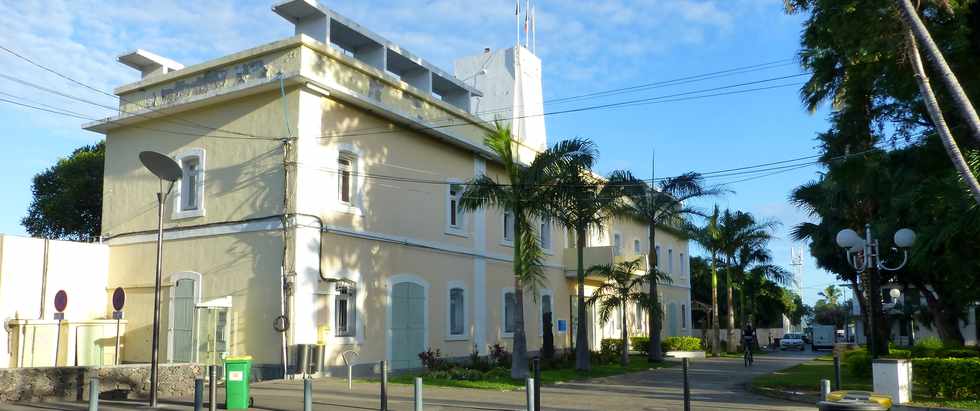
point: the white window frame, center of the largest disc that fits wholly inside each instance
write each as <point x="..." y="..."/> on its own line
<point x="659" y="260"/>
<point x="670" y="261"/>
<point x="503" y="312"/>
<point x="637" y="246"/>
<point x="357" y="181"/>
<point x="504" y="227"/>
<point x="178" y="210"/>
<point x="459" y="229"/>
<point x="453" y="285"/>
<point x="617" y="248"/>
<point x="351" y="305"/>
<point x="551" y="295"/>
<point x="544" y="235"/>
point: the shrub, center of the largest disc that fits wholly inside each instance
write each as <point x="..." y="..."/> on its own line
<point x="497" y="373"/>
<point x="464" y="374"/>
<point x="957" y="353"/>
<point x="641" y="344"/>
<point x="432" y="360"/>
<point x="899" y="353"/>
<point x="927" y="347"/>
<point x="952" y="378"/>
<point x="477" y="362"/>
<point x="611" y="349"/>
<point x="499" y="356"/>
<point x="681" y="344"/>
<point x="858" y="363"/>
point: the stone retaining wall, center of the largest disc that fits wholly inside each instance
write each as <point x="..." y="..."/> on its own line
<point x="71" y="383"/>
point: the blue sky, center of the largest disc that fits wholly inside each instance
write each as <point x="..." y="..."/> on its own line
<point x="585" y="46"/>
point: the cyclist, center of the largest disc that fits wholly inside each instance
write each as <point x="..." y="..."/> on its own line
<point x="748" y="339"/>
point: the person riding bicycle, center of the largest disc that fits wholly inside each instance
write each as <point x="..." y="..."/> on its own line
<point x="748" y="336"/>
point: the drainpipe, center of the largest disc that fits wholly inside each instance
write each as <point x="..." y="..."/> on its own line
<point x="44" y="280"/>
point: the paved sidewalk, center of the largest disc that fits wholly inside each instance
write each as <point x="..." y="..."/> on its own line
<point x="716" y="384"/>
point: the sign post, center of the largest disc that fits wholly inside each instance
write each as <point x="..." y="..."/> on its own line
<point x="118" y="301"/>
<point x="60" y="303"/>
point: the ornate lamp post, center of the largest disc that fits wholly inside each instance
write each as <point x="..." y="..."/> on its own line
<point x="864" y="254"/>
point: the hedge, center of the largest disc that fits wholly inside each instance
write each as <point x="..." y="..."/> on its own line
<point x="952" y="378"/>
<point x="641" y="344"/>
<point x="613" y="346"/>
<point x="681" y="344"/>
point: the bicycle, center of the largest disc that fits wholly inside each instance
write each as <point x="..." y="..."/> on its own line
<point x="747" y="356"/>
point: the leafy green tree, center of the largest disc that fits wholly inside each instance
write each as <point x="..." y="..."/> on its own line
<point x="67" y="202"/>
<point x="831" y="295"/>
<point x="739" y="232"/>
<point x="710" y="238"/>
<point x="586" y="202"/>
<point x="525" y="194"/>
<point x="623" y="285"/>
<point x="663" y="206"/>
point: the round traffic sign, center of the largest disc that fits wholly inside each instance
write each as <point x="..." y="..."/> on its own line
<point x="281" y="323"/>
<point x="60" y="300"/>
<point x="118" y="299"/>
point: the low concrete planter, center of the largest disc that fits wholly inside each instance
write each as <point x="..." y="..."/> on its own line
<point x="71" y="383"/>
<point x="685" y="354"/>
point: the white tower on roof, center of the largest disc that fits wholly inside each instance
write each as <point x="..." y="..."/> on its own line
<point x="510" y="80"/>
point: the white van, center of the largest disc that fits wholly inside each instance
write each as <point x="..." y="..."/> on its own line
<point x="823" y="337"/>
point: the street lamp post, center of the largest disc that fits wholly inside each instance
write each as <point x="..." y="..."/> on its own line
<point x="166" y="169"/>
<point x="864" y="255"/>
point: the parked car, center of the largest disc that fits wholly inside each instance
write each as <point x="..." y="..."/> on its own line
<point x="792" y="341"/>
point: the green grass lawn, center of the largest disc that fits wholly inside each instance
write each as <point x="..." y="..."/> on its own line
<point x="805" y="378"/>
<point x="737" y="354"/>
<point x="637" y="363"/>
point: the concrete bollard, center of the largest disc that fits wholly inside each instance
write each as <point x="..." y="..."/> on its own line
<point x="687" y="389"/>
<point x="824" y="389"/>
<point x="307" y="394"/>
<point x="529" y="388"/>
<point x="537" y="383"/>
<point x="199" y="394"/>
<point x="418" y="393"/>
<point x="93" y="394"/>
<point x="384" y="385"/>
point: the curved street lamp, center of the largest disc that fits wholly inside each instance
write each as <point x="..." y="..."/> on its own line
<point x="865" y="253"/>
<point x="166" y="169"/>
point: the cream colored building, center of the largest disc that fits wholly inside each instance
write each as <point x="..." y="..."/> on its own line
<point x="327" y="161"/>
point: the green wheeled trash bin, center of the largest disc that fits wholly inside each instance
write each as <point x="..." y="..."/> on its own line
<point x="238" y="373"/>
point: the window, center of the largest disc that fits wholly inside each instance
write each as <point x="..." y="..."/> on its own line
<point x="345" y="310"/>
<point x="682" y="264"/>
<point x="659" y="264"/>
<point x="683" y="315"/>
<point x="639" y="317"/>
<point x="457" y="312"/>
<point x="508" y="226"/>
<point x="456" y="215"/>
<point x="636" y="246"/>
<point x="189" y="201"/>
<point x="544" y="234"/>
<point x="670" y="261"/>
<point x="617" y="244"/>
<point x="346" y="163"/>
<point x="510" y="315"/>
<point x="545" y="310"/>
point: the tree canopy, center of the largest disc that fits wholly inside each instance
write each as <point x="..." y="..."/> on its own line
<point x="67" y="202"/>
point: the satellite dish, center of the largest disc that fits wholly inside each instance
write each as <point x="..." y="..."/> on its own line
<point x="161" y="166"/>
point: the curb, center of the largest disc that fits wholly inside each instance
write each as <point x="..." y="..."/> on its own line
<point x="813" y="399"/>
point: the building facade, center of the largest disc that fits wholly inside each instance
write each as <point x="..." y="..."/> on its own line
<point x="321" y="175"/>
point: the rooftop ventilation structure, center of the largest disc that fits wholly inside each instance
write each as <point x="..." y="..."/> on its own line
<point x="149" y="64"/>
<point x="323" y="24"/>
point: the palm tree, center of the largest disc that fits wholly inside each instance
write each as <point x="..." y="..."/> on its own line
<point x="622" y="286"/>
<point x="663" y="207"/>
<point x="753" y="262"/>
<point x="525" y="194"/>
<point x="831" y="294"/>
<point x="709" y="237"/>
<point x="586" y="202"/>
<point x="737" y="230"/>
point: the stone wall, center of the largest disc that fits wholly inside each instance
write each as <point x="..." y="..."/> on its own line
<point x="118" y="382"/>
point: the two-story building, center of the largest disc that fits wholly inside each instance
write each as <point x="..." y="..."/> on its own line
<point x="320" y="180"/>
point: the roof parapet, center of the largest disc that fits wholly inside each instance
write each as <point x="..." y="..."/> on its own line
<point x="149" y="64"/>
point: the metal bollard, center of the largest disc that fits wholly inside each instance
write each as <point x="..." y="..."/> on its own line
<point x="418" y="393"/>
<point x="384" y="385"/>
<point x="824" y="389"/>
<point x="212" y="387"/>
<point x="687" y="388"/>
<point x="836" y="372"/>
<point x="93" y="394"/>
<point x="529" y="388"/>
<point x="307" y="394"/>
<point x="537" y="383"/>
<point x="199" y="394"/>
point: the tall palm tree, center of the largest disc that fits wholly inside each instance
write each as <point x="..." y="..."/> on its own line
<point x="586" y="202"/>
<point x="738" y="229"/>
<point x="663" y="206"/>
<point x="622" y="287"/>
<point x="709" y="237"/>
<point x="753" y="262"/>
<point x="831" y="294"/>
<point x="524" y="194"/>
